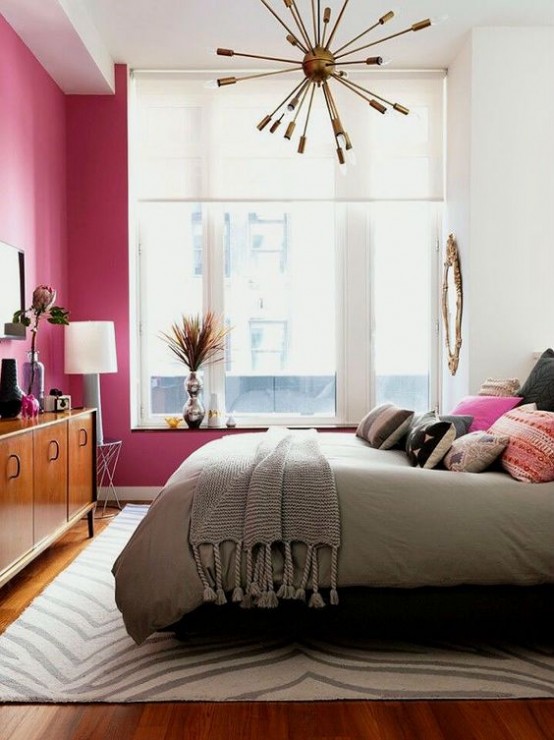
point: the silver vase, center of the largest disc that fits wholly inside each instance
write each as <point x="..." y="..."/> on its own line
<point x="33" y="377"/>
<point x="193" y="410"/>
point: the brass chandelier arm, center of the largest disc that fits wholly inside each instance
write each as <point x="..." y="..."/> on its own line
<point x="384" y="19"/>
<point x="326" y="19"/>
<point x="315" y="22"/>
<point x="333" y="111"/>
<point x="337" y="23"/>
<point x="335" y="121"/>
<point x="415" y="27"/>
<point x="354" y="86"/>
<point x="225" y="53"/>
<point x="222" y="81"/>
<point x="330" y="110"/>
<point x="304" y="94"/>
<point x="302" y="97"/>
<point x="306" y="122"/>
<point x="288" y="97"/>
<point x="369" y="60"/>
<point x="358" y="37"/>
<point x="302" y="142"/>
<point x="291" y="4"/>
<point x="282" y="22"/>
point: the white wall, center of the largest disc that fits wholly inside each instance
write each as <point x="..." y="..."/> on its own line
<point x="500" y="200"/>
<point x="457" y="212"/>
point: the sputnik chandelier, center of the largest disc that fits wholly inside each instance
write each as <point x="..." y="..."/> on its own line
<point x="320" y="65"/>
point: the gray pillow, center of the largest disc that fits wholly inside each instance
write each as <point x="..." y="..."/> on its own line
<point x="539" y="386"/>
<point x="461" y="423"/>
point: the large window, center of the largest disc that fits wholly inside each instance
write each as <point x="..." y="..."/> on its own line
<point x="328" y="283"/>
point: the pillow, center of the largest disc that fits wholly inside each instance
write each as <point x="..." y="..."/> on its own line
<point x="539" y="386"/>
<point x="474" y="452"/>
<point x="485" y="409"/>
<point x="428" y="443"/>
<point x="529" y="455"/>
<point x="384" y="425"/>
<point x="461" y="423"/>
<point x="499" y="387"/>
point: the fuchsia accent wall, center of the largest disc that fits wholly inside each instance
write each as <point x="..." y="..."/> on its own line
<point x="98" y="244"/>
<point x="64" y="200"/>
<point x="32" y="186"/>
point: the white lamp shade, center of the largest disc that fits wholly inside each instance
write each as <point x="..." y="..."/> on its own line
<point x="90" y="348"/>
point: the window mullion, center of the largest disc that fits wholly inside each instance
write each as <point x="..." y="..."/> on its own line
<point x="213" y="287"/>
<point x="356" y="365"/>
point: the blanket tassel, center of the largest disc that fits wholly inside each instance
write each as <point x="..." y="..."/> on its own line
<point x="301" y="590"/>
<point x="286" y="590"/>
<point x="268" y="599"/>
<point x="220" y="593"/>
<point x="238" y="593"/>
<point x="333" y="595"/>
<point x="246" y="602"/>
<point x="316" y="599"/>
<point x="208" y="593"/>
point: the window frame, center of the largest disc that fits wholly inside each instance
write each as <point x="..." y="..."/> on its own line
<point x="353" y="293"/>
<point x="354" y="365"/>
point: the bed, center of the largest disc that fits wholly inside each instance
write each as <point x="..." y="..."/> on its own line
<point x="401" y="528"/>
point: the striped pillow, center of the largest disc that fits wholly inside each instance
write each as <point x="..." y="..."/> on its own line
<point x="499" y="387"/>
<point x="384" y="426"/>
<point x="529" y="455"/>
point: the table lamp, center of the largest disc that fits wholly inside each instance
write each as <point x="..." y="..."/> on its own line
<point x="89" y="351"/>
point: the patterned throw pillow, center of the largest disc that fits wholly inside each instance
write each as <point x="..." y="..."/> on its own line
<point x="529" y="455"/>
<point x="485" y="409"/>
<point x="384" y="425"/>
<point x="461" y="423"/>
<point x="539" y="386"/>
<point x="428" y="443"/>
<point x="499" y="387"/>
<point x="474" y="452"/>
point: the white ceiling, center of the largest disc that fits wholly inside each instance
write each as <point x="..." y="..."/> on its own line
<point x="75" y="39"/>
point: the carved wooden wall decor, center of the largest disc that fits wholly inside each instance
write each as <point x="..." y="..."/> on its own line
<point x="452" y="303"/>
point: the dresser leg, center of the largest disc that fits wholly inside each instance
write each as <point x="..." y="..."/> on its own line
<point x="90" y="517"/>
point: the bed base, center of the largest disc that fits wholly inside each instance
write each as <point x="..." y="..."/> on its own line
<point x="375" y="612"/>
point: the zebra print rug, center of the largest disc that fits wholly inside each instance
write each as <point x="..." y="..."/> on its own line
<point x="70" y="646"/>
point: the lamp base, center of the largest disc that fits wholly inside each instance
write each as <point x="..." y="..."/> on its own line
<point x="91" y="400"/>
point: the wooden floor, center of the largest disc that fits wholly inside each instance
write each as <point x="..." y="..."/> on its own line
<point x="421" y="720"/>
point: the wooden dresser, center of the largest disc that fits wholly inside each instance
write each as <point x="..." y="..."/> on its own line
<point x="47" y="483"/>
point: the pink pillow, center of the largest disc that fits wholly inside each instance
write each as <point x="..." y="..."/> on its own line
<point x="485" y="409"/>
<point x="529" y="455"/>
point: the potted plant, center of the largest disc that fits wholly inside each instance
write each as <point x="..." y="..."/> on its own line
<point x="42" y="307"/>
<point x="196" y="341"/>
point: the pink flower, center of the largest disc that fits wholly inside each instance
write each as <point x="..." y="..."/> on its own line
<point x="43" y="297"/>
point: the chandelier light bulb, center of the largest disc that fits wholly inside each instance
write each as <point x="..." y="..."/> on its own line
<point x="351" y="156"/>
<point x="321" y="64"/>
<point x="439" y="20"/>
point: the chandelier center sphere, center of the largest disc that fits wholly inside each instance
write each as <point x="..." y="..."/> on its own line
<point x="318" y="64"/>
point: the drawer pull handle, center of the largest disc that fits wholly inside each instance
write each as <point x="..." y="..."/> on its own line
<point x="55" y="456"/>
<point x="18" y="466"/>
<point x="83" y="437"/>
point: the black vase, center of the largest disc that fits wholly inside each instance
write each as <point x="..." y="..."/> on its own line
<point x="11" y="394"/>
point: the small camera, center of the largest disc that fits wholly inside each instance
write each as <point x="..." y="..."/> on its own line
<point x="62" y="403"/>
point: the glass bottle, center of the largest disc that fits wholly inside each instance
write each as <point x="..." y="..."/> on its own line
<point x="33" y="377"/>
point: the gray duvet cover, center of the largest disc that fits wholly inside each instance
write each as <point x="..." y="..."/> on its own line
<point x="400" y="527"/>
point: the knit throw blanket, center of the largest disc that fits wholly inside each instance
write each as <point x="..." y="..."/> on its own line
<point x="263" y="501"/>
